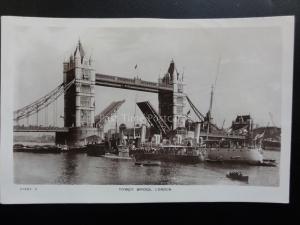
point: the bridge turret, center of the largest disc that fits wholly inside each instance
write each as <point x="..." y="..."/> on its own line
<point x="71" y="61"/>
<point x="66" y="66"/>
<point x="79" y="109"/>
<point x="90" y="61"/>
<point x="171" y="103"/>
<point x="77" y="56"/>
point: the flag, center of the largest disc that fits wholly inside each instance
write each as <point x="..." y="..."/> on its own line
<point x="135" y="66"/>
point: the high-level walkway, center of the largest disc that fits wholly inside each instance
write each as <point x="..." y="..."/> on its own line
<point x="132" y="84"/>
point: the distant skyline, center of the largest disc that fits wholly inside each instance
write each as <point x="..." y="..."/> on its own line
<point x="248" y="79"/>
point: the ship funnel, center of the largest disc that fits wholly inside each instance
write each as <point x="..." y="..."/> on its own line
<point x="197" y="132"/>
<point x="156" y="139"/>
<point x="143" y="133"/>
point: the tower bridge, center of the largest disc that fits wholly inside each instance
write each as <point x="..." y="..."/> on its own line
<point x="78" y="89"/>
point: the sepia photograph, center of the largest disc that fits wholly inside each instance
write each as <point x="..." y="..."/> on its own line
<point x="148" y="102"/>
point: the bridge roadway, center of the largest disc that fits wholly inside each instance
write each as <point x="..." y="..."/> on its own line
<point x="40" y="129"/>
<point x="132" y="84"/>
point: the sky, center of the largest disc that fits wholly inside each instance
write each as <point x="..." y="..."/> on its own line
<point x="244" y="64"/>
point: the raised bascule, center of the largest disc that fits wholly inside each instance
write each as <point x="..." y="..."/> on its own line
<point x="79" y="81"/>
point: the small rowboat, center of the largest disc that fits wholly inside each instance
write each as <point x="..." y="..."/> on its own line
<point x="237" y="175"/>
<point x="147" y="164"/>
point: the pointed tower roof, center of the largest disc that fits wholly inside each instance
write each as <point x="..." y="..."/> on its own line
<point x="171" y="69"/>
<point x="79" y="50"/>
<point x="90" y="60"/>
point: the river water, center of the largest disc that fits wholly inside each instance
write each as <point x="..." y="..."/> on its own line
<point x="79" y="168"/>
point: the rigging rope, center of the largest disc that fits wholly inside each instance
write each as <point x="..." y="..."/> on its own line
<point x="196" y="111"/>
<point x="200" y="116"/>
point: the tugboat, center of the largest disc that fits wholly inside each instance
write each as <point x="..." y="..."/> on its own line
<point x="237" y="175"/>
<point x="123" y="150"/>
<point x="122" y="153"/>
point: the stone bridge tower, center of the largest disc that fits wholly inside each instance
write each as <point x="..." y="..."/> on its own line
<point x="171" y="103"/>
<point x="79" y="100"/>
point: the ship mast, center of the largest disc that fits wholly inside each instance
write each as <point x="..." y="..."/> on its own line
<point x="116" y="126"/>
<point x="210" y="109"/>
<point x="135" y="100"/>
<point x="211" y="98"/>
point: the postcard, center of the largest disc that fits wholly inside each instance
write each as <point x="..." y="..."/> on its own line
<point x="146" y="110"/>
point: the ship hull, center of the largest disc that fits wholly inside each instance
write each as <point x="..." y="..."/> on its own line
<point x="235" y="155"/>
<point x="271" y="145"/>
<point x="271" y="148"/>
<point x="169" y="157"/>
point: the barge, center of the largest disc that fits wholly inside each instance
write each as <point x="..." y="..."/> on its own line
<point x="96" y="149"/>
<point x="36" y="148"/>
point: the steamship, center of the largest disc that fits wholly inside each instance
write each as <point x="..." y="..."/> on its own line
<point x="238" y="145"/>
<point x="181" y="139"/>
<point x="171" y="153"/>
<point x="169" y="150"/>
<point x="200" y="145"/>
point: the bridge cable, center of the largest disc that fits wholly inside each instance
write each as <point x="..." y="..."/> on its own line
<point x="43" y="102"/>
